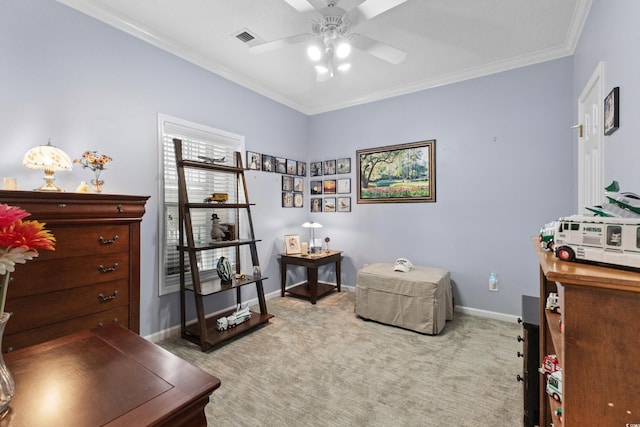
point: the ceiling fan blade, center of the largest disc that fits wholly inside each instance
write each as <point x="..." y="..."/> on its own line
<point x="370" y="9"/>
<point x="304" y="6"/>
<point x="278" y="44"/>
<point x="378" y="49"/>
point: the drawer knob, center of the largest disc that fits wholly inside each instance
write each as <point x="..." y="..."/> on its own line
<point x="100" y="325"/>
<point x="103" y="241"/>
<point x="520" y="378"/>
<point x="520" y="354"/>
<point x="120" y="209"/>
<point x="109" y="298"/>
<point x="104" y="269"/>
<point x="520" y="339"/>
<point x="116" y="320"/>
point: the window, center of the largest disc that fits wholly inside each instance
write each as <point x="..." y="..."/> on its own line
<point x="197" y="140"/>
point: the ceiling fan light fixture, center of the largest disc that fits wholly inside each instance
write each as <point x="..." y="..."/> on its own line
<point x="344" y="67"/>
<point x="314" y="53"/>
<point x="322" y="69"/>
<point x="343" y="49"/>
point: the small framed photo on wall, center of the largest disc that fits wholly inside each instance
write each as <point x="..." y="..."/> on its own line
<point x="329" y="186"/>
<point x="612" y="111"/>
<point x="287" y="183"/>
<point x="302" y="168"/>
<point x="267" y="163"/>
<point x="344" y="186"/>
<point x="287" y="199"/>
<point x="316" y="187"/>
<point x="344" y="204"/>
<point x="292" y="167"/>
<point x="316" y="204"/>
<point x="315" y="169"/>
<point x="329" y="204"/>
<point x="254" y="160"/>
<point x="298" y="200"/>
<point x="329" y="167"/>
<point x="281" y="164"/>
<point x="343" y="165"/>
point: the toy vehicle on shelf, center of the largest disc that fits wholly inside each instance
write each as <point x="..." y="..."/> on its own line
<point x="217" y="197"/>
<point x="549" y="365"/>
<point x="554" y="385"/>
<point x="547" y="236"/>
<point x="597" y="239"/>
<point x="553" y="302"/>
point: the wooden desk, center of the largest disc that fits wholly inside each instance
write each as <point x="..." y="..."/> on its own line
<point x="106" y="376"/>
<point x="311" y="289"/>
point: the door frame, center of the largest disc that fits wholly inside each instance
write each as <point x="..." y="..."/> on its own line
<point x="585" y="183"/>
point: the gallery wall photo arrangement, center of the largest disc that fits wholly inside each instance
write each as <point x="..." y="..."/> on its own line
<point x="403" y="173"/>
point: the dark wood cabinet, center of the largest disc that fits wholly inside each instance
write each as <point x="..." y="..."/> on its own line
<point x="596" y="346"/>
<point x="531" y="359"/>
<point x="93" y="276"/>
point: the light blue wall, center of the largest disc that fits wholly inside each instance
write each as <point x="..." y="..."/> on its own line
<point x="491" y="195"/>
<point x="612" y="35"/>
<point x="88" y="86"/>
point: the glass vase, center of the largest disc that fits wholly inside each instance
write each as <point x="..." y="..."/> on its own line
<point x="97" y="184"/>
<point x="7" y="386"/>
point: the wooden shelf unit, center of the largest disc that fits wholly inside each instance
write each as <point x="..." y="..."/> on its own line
<point x="204" y="331"/>
<point x="597" y="346"/>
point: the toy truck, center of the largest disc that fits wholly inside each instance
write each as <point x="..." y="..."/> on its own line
<point x="549" y="365"/>
<point x="554" y="385"/>
<point x="217" y="197"/>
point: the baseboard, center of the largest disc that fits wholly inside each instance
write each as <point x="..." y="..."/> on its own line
<point x="175" y="330"/>
<point x="485" y="313"/>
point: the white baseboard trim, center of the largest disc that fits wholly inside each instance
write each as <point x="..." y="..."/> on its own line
<point x="175" y="330"/>
<point x="485" y="313"/>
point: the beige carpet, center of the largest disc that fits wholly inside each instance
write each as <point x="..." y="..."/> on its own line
<point x="322" y="366"/>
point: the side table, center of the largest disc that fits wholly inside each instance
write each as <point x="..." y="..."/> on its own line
<point x="311" y="289"/>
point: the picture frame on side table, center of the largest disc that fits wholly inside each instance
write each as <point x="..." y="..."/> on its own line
<point x="292" y="244"/>
<point x="400" y="173"/>
<point x="612" y="111"/>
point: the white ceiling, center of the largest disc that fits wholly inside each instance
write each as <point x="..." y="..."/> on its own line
<point x="446" y="41"/>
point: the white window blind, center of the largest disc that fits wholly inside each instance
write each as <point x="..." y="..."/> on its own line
<point x="197" y="140"/>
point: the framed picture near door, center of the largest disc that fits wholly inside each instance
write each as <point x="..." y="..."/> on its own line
<point x="612" y="111"/>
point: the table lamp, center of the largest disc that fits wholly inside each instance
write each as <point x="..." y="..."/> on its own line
<point x="312" y="244"/>
<point x="50" y="159"/>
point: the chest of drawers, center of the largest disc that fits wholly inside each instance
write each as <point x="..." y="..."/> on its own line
<point x="93" y="276"/>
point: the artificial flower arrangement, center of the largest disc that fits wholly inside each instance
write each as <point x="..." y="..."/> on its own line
<point x="94" y="161"/>
<point x="19" y="243"/>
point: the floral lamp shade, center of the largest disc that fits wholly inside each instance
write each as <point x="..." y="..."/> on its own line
<point x="50" y="159"/>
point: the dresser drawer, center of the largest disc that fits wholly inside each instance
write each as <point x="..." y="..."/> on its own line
<point x="64" y="305"/>
<point x="10" y="342"/>
<point x="79" y="240"/>
<point x="76" y="206"/>
<point x="65" y="273"/>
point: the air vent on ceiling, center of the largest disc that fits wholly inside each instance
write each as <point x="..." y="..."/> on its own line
<point x="247" y="37"/>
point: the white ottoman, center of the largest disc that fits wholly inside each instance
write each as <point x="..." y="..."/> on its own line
<point x="419" y="300"/>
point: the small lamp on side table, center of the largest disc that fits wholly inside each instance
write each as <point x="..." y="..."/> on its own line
<point x="312" y="244"/>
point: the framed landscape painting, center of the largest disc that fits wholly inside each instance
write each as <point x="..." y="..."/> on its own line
<point x="403" y="173"/>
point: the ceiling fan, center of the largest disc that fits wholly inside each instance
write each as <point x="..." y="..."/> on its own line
<point x="331" y="38"/>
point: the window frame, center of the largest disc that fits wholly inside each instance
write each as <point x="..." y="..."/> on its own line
<point x="168" y="128"/>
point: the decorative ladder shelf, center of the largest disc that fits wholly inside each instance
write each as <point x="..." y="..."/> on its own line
<point x="204" y="331"/>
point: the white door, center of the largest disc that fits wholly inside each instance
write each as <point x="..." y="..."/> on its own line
<point x="590" y="147"/>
